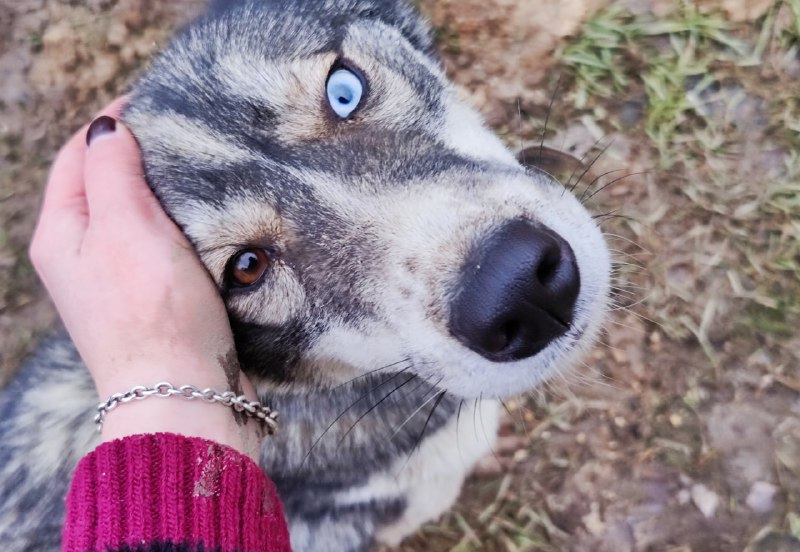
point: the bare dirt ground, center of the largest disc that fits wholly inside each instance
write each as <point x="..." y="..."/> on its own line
<point x="682" y="433"/>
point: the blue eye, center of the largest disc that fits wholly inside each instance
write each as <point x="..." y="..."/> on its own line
<point x="344" y="92"/>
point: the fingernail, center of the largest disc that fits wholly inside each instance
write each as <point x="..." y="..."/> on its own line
<point x="101" y="126"/>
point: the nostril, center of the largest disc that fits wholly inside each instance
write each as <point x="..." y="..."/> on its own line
<point x="548" y="268"/>
<point x="496" y="343"/>
<point x="499" y="341"/>
<point x="511" y="330"/>
<point x="522" y="298"/>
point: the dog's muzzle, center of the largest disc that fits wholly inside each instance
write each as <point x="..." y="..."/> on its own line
<point x="516" y="292"/>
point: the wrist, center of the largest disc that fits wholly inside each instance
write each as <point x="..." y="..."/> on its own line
<point x="200" y="370"/>
<point x="196" y="418"/>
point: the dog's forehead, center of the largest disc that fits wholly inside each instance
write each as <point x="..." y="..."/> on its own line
<point x="296" y="27"/>
<point x="236" y="107"/>
<point x="278" y="83"/>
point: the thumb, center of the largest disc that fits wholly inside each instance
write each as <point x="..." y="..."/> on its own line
<point x="114" y="177"/>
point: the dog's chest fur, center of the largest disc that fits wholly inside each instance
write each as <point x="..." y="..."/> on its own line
<point x="390" y="462"/>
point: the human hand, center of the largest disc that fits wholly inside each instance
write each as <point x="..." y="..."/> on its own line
<point x="132" y="293"/>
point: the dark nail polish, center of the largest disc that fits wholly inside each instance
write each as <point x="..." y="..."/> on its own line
<point x="100" y="126"/>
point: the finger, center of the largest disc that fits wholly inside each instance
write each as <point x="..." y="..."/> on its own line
<point x="64" y="214"/>
<point x="115" y="186"/>
<point x="65" y="184"/>
<point x="64" y="204"/>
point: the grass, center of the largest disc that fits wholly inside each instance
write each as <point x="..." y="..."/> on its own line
<point x="699" y="74"/>
<point x="672" y="59"/>
<point x="720" y="120"/>
<point x="600" y="57"/>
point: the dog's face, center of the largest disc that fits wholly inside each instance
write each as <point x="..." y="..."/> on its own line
<point x="354" y="213"/>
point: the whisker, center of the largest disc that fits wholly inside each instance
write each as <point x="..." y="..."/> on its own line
<point x="475" y="419"/>
<point x="521" y="416"/>
<point x="644" y="318"/>
<point x="609" y="215"/>
<point x="581" y="163"/>
<point x="345" y="411"/>
<point x="627" y="294"/>
<point x="393" y="364"/>
<point x="486" y="438"/>
<point x="439" y="398"/>
<point x="629" y="285"/>
<point x="371" y="408"/>
<point x="628" y="240"/>
<point x="628" y="307"/>
<point x="547" y="118"/>
<point x="519" y="130"/>
<point x="597" y="179"/>
<point x="420" y="407"/>
<point x="590" y="165"/>
<point x="607" y="184"/>
<point x="625" y="286"/>
<point x="619" y="282"/>
<point x="458" y="418"/>
<point x="623" y="325"/>
<point x="624" y="292"/>
<point x="594" y="379"/>
<point x="622" y="253"/>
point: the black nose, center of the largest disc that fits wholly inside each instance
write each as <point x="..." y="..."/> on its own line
<point x="517" y="292"/>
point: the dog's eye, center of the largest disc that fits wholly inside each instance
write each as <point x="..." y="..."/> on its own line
<point x="344" y="92"/>
<point x="247" y="267"/>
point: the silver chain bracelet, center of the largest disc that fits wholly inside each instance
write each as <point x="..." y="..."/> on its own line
<point x="239" y="403"/>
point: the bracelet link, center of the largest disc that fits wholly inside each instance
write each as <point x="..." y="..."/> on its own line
<point x="240" y="403"/>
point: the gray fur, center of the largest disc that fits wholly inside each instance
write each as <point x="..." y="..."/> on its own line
<point x="371" y="220"/>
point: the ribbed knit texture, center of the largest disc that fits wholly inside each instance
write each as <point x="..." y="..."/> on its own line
<point x="170" y="492"/>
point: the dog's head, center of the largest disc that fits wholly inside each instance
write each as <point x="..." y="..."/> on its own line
<point x="354" y="212"/>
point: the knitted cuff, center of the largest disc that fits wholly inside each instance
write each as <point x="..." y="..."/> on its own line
<point x="167" y="491"/>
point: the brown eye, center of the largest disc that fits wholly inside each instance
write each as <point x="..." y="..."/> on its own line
<point x="248" y="266"/>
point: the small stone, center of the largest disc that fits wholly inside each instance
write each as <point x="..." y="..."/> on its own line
<point x="593" y="522"/>
<point x="705" y="499"/>
<point x="117" y="33"/>
<point x="761" y="498"/>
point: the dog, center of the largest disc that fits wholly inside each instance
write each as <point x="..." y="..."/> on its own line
<point x="389" y="268"/>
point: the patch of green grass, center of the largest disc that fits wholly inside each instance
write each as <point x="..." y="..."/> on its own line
<point x="35" y="40"/>
<point x="774" y="262"/>
<point x="791" y="34"/>
<point x="775" y="322"/>
<point x="448" y="40"/>
<point x="672" y="103"/>
<point x="671" y="59"/>
<point x="598" y="57"/>
<point x="793" y="521"/>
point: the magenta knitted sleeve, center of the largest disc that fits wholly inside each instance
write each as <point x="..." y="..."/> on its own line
<point x="170" y="492"/>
